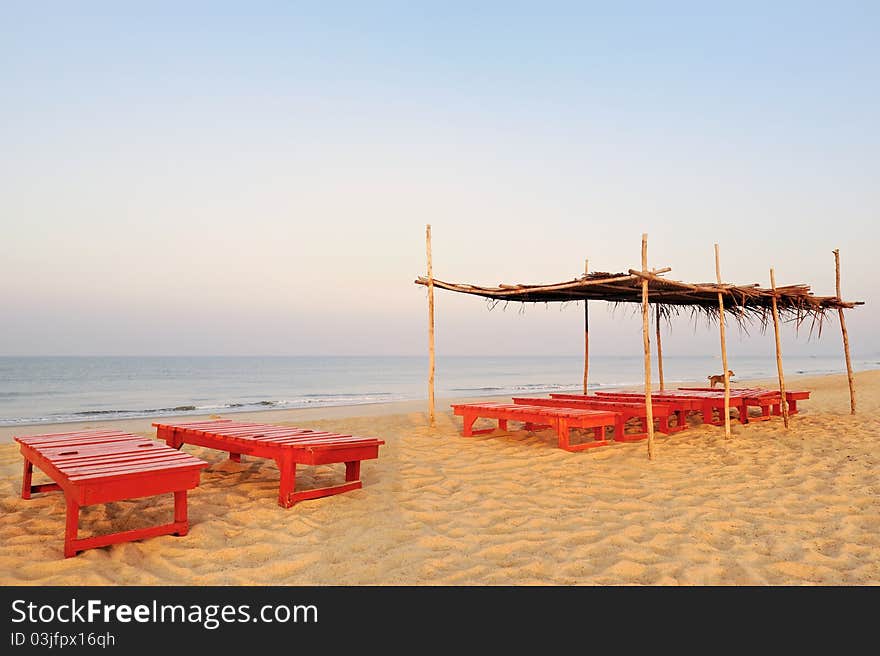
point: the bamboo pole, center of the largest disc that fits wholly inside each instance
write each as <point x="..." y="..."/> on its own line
<point x="659" y="350"/>
<point x="649" y="408"/>
<point x="783" y="404"/>
<point x="586" y="332"/>
<point x="431" y="416"/>
<point x="723" y="347"/>
<point x="849" y="370"/>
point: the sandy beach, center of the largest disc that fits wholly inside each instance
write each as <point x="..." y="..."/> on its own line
<point x="766" y="507"/>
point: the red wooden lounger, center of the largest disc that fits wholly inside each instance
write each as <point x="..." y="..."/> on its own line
<point x="286" y="445"/>
<point x="626" y="411"/>
<point x="706" y="404"/>
<point x="98" y="466"/>
<point x="792" y="396"/>
<point x="560" y="419"/>
<point x="682" y="406"/>
<point x="763" y="399"/>
<point x="629" y="408"/>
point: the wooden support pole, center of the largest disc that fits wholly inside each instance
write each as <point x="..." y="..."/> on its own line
<point x="649" y="408"/>
<point x="431" y="416"/>
<point x="721" y="322"/>
<point x="781" y="373"/>
<point x="849" y="370"/>
<point x="586" y="332"/>
<point x="659" y="350"/>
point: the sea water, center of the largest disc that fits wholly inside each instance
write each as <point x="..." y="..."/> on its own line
<point x="36" y="390"/>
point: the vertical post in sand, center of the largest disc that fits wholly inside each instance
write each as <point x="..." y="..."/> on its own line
<point x="783" y="404"/>
<point x="723" y="348"/>
<point x="430" y="327"/>
<point x="849" y="371"/>
<point x="649" y="408"/>
<point x="586" y="332"/>
<point x="659" y="350"/>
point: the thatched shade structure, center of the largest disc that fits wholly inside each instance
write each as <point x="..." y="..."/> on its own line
<point x="794" y="302"/>
<point x="744" y="303"/>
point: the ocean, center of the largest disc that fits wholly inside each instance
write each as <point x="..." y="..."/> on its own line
<point x="45" y="390"/>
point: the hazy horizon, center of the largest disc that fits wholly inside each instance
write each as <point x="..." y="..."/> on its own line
<point x="214" y="179"/>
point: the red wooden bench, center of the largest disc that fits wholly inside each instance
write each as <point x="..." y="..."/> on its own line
<point x="763" y="399"/>
<point x="629" y="408"/>
<point x="99" y="466"/>
<point x="682" y="406"/>
<point x="759" y="393"/>
<point x="288" y="446"/>
<point x="792" y="398"/>
<point x="705" y="404"/>
<point x="560" y="419"/>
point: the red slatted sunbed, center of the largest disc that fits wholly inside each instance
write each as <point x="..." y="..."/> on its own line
<point x="680" y="406"/>
<point x="99" y="466"/>
<point x="288" y="446"/>
<point x="792" y="396"/>
<point x="629" y="408"/>
<point x="761" y="399"/>
<point x="626" y="411"/>
<point x="704" y="403"/>
<point x="560" y="419"/>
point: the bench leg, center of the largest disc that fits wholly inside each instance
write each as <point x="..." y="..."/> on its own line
<point x="73" y="545"/>
<point x="27" y="486"/>
<point x="287" y="497"/>
<point x="564" y="436"/>
<point x="663" y="424"/>
<point x="26" y="478"/>
<point x="353" y="470"/>
<point x="562" y="433"/>
<point x="792" y="407"/>
<point x="71" y="528"/>
<point x="666" y="427"/>
<point x="468" y="424"/>
<point x="708" y="414"/>
<point x="180" y="512"/>
<point x="623" y="418"/>
<point x="288" y="481"/>
<point x="502" y="424"/>
<point x="235" y="457"/>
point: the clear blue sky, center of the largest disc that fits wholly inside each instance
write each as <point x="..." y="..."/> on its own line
<point x="255" y="178"/>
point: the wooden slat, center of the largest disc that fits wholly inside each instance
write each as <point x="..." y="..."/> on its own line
<point x="84" y="433"/>
<point x="609" y="405"/>
<point x="89" y="455"/>
<point x="538" y="411"/>
<point x="138" y="470"/>
<point x="126" y="465"/>
<point x="79" y="439"/>
<point x="111" y="459"/>
<point x="286" y="436"/>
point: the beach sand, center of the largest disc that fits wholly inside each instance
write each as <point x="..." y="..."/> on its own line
<point x="766" y="507"/>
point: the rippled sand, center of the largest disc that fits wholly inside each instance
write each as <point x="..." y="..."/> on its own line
<point x="767" y="507"/>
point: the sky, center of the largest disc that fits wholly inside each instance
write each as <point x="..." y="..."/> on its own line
<point x="255" y="178"/>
